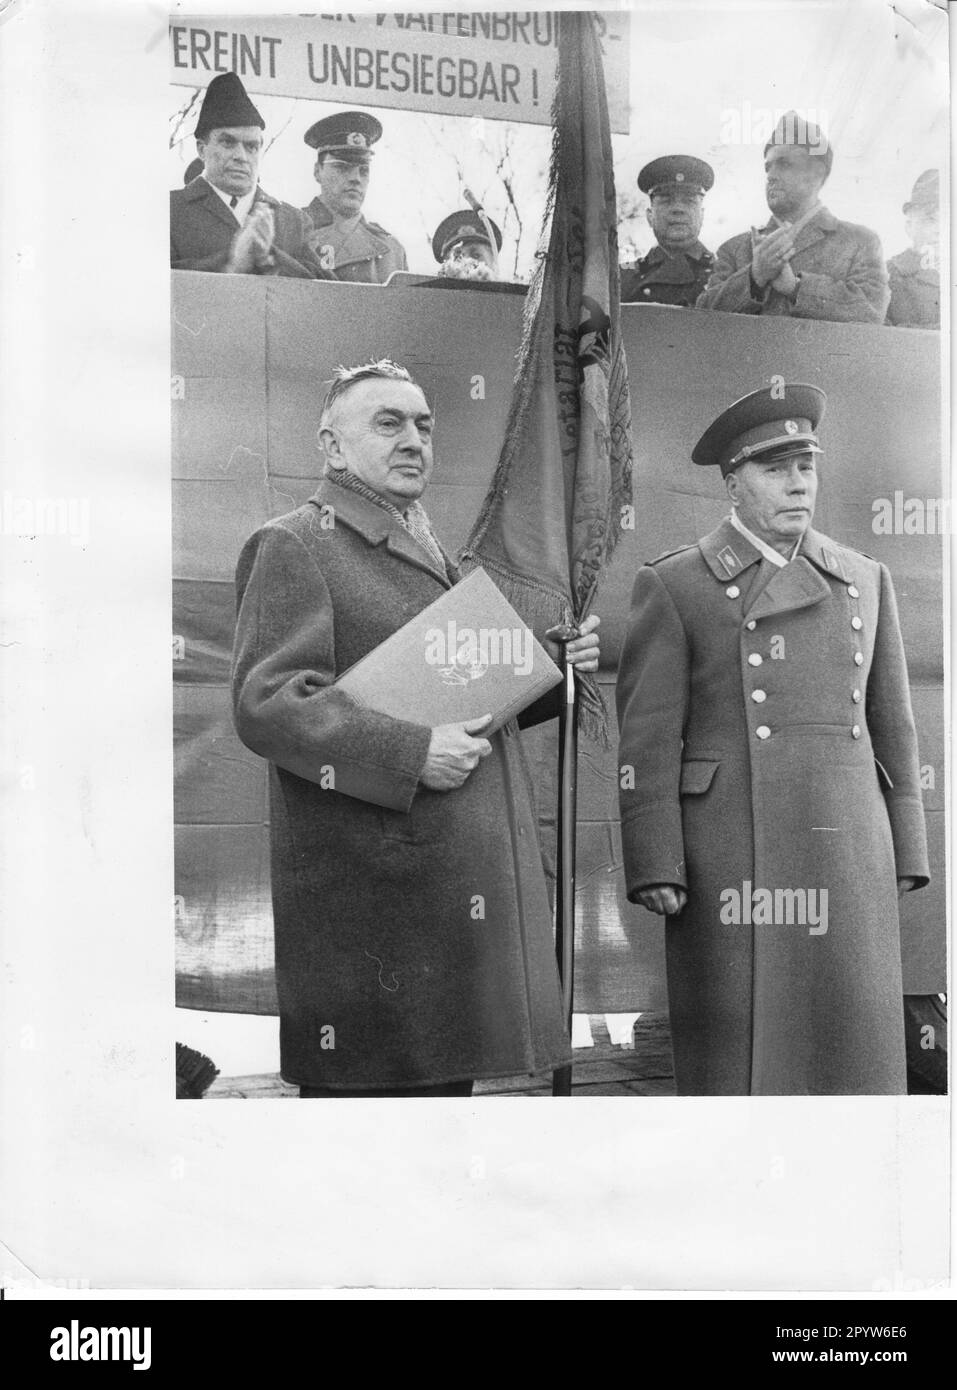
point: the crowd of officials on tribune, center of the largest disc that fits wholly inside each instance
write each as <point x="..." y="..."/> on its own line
<point x="803" y="262"/>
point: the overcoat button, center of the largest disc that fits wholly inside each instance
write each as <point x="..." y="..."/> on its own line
<point x="751" y="625"/>
<point x="763" y="731"/>
<point x="858" y="658"/>
<point x="733" y="591"/>
<point x="759" y="696"/>
<point x="856" y="624"/>
<point x="856" y="731"/>
<point x="853" y="590"/>
<point x="755" y="659"/>
<point x="856" y="697"/>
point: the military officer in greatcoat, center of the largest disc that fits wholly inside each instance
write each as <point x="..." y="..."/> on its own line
<point x="676" y="270"/>
<point x="915" y="273"/>
<point x="346" y="243"/>
<point x="773" y="809"/>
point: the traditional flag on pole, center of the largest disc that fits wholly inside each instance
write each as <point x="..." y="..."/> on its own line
<point x="554" y="511"/>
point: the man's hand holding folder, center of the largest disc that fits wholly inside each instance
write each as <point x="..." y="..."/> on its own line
<point x="457" y="749"/>
<point x="454" y="752"/>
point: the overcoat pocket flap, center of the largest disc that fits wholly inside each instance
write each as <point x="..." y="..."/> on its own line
<point x="697" y="775"/>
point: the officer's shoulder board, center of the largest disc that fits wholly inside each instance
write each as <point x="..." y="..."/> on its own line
<point x="678" y="550"/>
<point x="859" y="554"/>
<point x="379" y="231"/>
<point x="831" y="549"/>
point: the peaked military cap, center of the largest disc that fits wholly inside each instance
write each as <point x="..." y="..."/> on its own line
<point x="681" y="170"/>
<point x="763" y="426"/>
<point x="926" y="192"/>
<point x="226" y="105"/>
<point x="462" y="226"/>
<point x="348" y="135"/>
<point x="792" y="129"/>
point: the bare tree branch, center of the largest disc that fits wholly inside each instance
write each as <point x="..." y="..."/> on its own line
<point x="180" y="117"/>
<point x="285" y="126"/>
<point x="505" y="174"/>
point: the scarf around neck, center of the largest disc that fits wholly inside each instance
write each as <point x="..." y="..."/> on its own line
<point x="414" y="520"/>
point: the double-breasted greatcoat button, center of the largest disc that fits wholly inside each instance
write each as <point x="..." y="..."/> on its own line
<point x="856" y="624"/>
<point x="856" y="731"/>
<point x="853" y="591"/>
<point x="856" y="697"/>
<point x="755" y="659"/>
<point x="733" y="591"/>
<point x="858" y="658"/>
<point x="763" y="731"/>
<point x="751" y="625"/>
<point x="759" y="696"/>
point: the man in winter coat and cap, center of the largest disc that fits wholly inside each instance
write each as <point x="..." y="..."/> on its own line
<point x="804" y="262"/>
<point x="348" y="243"/>
<point x="915" y="273"/>
<point x="676" y="269"/>
<point x="222" y="220"/>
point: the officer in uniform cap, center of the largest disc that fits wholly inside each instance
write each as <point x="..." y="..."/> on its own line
<point x="346" y="242"/>
<point x="803" y="262"/>
<point x="763" y="426"/>
<point x="774" y="815"/>
<point x="915" y="274"/>
<point x="222" y="220"/>
<point x="676" y="270"/>
<point x="463" y="237"/>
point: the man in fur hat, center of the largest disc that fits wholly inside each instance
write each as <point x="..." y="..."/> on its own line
<point x="222" y="220"/>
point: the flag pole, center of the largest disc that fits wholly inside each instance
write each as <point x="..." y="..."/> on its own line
<point x="476" y="207"/>
<point x="565" y="857"/>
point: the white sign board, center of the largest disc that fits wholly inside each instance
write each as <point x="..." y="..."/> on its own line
<point x="469" y="63"/>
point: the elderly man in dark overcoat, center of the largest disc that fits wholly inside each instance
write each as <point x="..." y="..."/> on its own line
<point x="770" y="803"/>
<point x="223" y="221"/>
<point x="804" y="262"/>
<point x="414" y="945"/>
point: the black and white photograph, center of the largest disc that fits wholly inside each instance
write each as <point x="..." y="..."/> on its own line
<point x="731" y="513"/>
<point x="477" y="630"/>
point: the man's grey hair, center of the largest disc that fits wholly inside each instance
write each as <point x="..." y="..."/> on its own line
<point x="344" y="378"/>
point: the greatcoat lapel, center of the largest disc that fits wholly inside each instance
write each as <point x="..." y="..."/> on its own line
<point x="797" y="585"/>
<point x="199" y="191"/>
<point x="376" y="525"/>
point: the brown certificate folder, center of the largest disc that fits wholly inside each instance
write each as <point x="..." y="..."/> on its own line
<point x="467" y="654"/>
